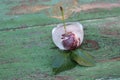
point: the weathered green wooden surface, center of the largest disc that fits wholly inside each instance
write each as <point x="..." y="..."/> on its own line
<point x="26" y="47"/>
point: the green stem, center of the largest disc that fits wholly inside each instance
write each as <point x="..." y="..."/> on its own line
<point x="63" y="19"/>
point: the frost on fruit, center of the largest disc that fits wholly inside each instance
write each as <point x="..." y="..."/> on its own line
<point x="69" y="40"/>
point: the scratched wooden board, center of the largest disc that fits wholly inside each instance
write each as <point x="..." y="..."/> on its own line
<point x="29" y="13"/>
<point x="26" y="47"/>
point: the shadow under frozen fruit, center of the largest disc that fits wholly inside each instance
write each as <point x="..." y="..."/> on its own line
<point x="69" y="40"/>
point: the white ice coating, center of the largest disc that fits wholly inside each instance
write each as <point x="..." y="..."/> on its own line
<point x="74" y="27"/>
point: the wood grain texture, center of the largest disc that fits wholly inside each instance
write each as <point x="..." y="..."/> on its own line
<point x="26" y="47"/>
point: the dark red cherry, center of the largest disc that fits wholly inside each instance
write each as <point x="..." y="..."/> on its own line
<point x="69" y="41"/>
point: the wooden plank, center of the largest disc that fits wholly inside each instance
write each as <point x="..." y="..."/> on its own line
<point x="18" y="14"/>
<point x="24" y="51"/>
<point x="26" y="47"/>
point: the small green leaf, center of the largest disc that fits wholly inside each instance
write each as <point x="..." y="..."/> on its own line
<point x="62" y="62"/>
<point x="82" y="58"/>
